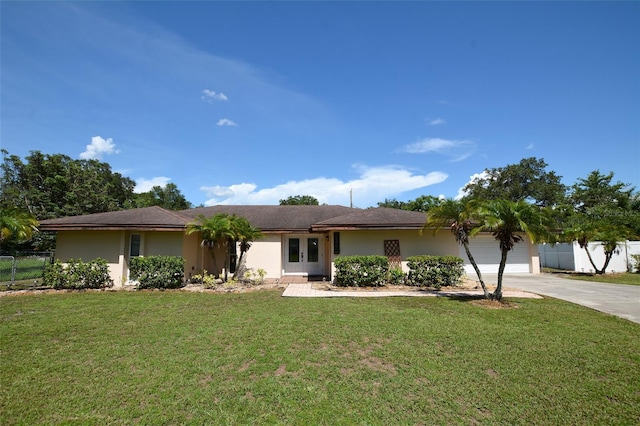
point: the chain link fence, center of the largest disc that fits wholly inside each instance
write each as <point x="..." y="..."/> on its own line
<point x="23" y="270"/>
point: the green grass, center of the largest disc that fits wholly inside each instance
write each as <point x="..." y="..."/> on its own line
<point x="27" y="269"/>
<point x="258" y="358"/>
<point x="624" y="278"/>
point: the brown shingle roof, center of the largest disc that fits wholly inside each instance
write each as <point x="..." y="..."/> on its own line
<point x="266" y="218"/>
<point x="270" y="218"/>
<point x="376" y="218"/>
<point x="147" y="218"/>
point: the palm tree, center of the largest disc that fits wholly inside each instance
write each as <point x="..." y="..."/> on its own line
<point x="244" y="233"/>
<point x="215" y="232"/>
<point x="585" y="229"/>
<point x="16" y="225"/>
<point x="457" y="215"/>
<point x="508" y="221"/>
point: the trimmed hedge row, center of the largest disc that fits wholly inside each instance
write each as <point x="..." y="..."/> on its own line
<point x="157" y="271"/>
<point x="425" y="271"/>
<point x="434" y="271"/>
<point x="361" y="271"/>
<point x="77" y="274"/>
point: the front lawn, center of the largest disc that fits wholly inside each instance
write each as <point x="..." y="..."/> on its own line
<point x="624" y="278"/>
<point x="257" y="358"/>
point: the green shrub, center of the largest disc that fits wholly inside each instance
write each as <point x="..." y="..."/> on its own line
<point x="157" y="271"/>
<point x="396" y="276"/>
<point x="361" y="271"/>
<point x="76" y="274"/>
<point x="636" y="263"/>
<point x="207" y="280"/>
<point x="434" y="271"/>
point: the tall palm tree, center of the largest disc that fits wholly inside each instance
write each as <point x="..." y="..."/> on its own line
<point x="458" y="216"/>
<point x="508" y="221"/>
<point x="16" y="225"/>
<point x="245" y="234"/>
<point x="215" y="232"/>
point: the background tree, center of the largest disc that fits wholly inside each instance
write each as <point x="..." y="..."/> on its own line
<point x="423" y="203"/>
<point x="49" y="186"/>
<point x="526" y="181"/>
<point x="458" y="216"/>
<point x="601" y="211"/>
<point x="168" y="197"/>
<point x="297" y="200"/>
<point x="15" y="227"/>
<point x="507" y="221"/>
<point x="598" y="190"/>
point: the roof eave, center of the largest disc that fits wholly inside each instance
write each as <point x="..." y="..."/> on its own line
<point x="77" y="227"/>
<point x="366" y="227"/>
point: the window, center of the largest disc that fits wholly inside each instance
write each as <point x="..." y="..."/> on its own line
<point x="294" y="250"/>
<point x="233" y="256"/>
<point x="134" y="245"/>
<point x="312" y="250"/>
<point x="336" y="243"/>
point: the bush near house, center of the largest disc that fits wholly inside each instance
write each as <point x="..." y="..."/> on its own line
<point x="434" y="271"/>
<point x="157" y="271"/>
<point x="636" y="263"/>
<point x="361" y="271"/>
<point x="76" y="274"/>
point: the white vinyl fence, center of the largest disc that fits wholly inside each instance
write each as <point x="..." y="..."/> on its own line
<point x="570" y="257"/>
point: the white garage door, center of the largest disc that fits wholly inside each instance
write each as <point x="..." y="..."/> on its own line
<point x="486" y="252"/>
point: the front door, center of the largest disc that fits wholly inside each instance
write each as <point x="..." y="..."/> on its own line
<point x="303" y="255"/>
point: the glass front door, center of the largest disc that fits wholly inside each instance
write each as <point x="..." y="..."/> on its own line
<point x="303" y="255"/>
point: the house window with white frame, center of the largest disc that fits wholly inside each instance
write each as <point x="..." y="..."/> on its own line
<point x="134" y="245"/>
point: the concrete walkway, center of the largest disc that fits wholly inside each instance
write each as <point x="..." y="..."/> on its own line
<point x="306" y="290"/>
<point x="615" y="299"/>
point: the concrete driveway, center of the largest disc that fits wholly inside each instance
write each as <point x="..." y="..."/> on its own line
<point x="615" y="299"/>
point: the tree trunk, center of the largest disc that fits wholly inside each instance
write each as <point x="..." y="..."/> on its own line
<point x="475" y="267"/>
<point x="241" y="268"/>
<point x="227" y="260"/>
<point x="607" y="259"/>
<point x="215" y="264"/>
<point x="497" y="294"/>
<point x="598" y="272"/>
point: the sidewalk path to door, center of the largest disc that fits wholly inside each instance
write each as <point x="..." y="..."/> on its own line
<point x="616" y="299"/>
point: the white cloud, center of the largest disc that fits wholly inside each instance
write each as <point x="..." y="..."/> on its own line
<point x="457" y="150"/>
<point x="226" y="122"/>
<point x="211" y="96"/>
<point x="472" y="179"/>
<point x="436" y="121"/>
<point x="530" y="146"/>
<point x="145" y="185"/>
<point x="372" y="185"/>
<point x="99" y="147"/>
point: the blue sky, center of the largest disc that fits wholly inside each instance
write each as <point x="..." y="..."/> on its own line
<point x="249" y="103"/>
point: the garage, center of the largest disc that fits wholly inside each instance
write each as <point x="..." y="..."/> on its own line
<point x="486" y="252"/>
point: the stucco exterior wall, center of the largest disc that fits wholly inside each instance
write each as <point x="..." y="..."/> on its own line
<point x="266" y="253"/>
<point x="192" y="253"/>
<point x="354" y="243"/>
<point x="163" y="243"/>
<point x="113" y="246"/>
<point x="90" y="245"/>
<point x="412" y="243"/>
